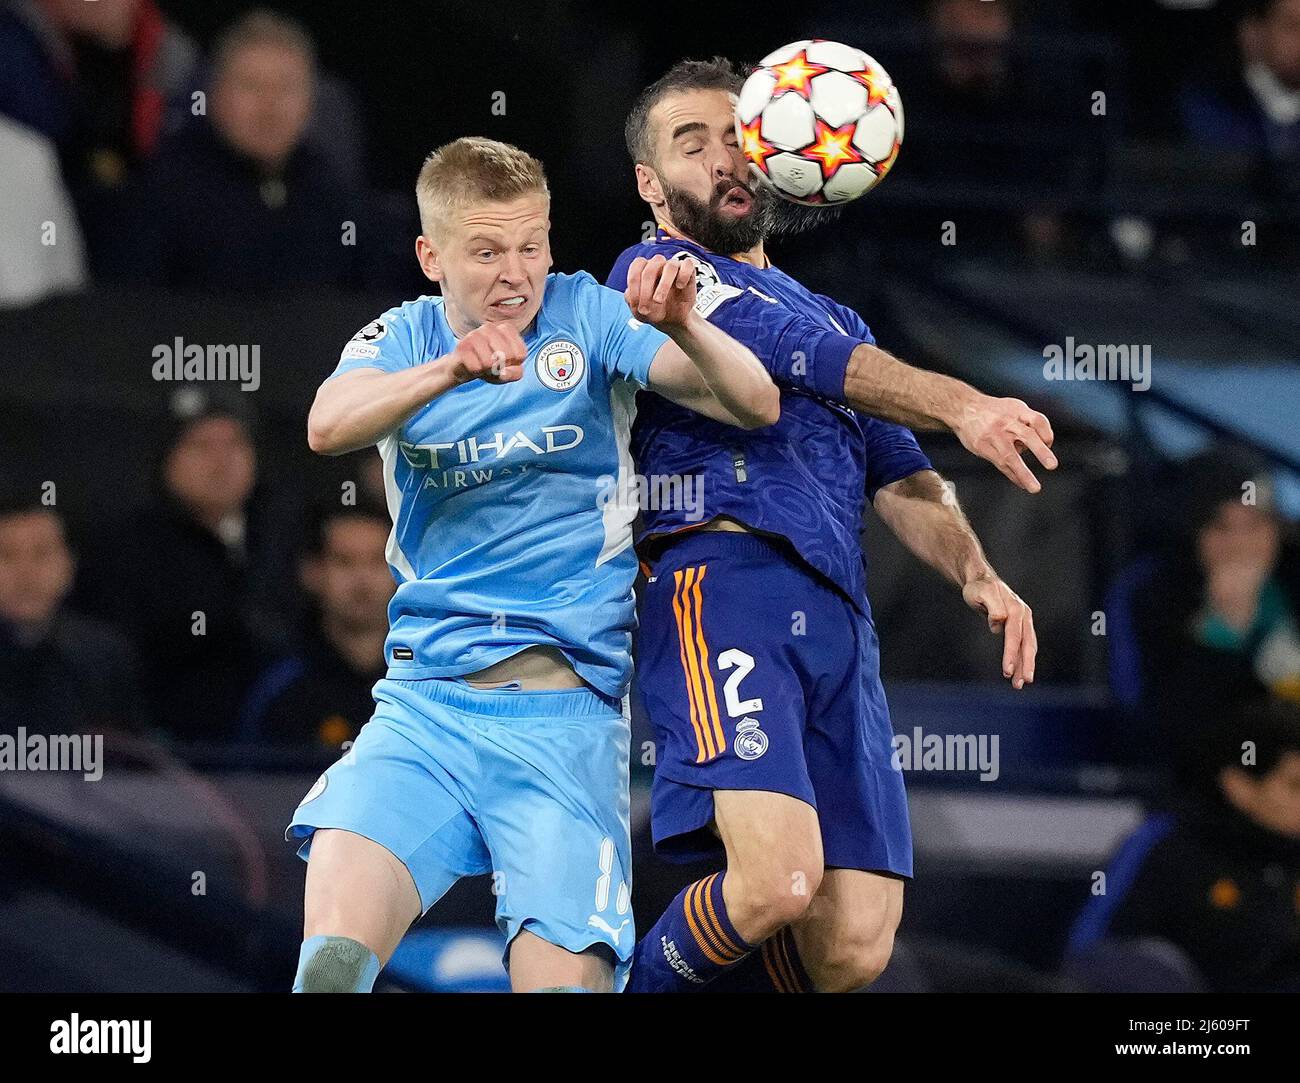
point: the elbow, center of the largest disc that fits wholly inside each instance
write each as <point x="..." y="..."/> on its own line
<point x="765" y="410"/>
<point x="320" y="438"/>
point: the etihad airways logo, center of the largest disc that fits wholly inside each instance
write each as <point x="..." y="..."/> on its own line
<point x="475" y="449"/>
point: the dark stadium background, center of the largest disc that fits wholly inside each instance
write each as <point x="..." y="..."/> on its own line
<point x="1135" y="238"/>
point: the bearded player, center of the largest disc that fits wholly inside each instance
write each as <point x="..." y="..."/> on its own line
<point x="498" y="741"/>
<point x="759" y="663"/>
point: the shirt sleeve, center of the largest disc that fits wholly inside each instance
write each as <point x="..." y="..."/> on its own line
<point x="625" y="345"/>
<point x="847" y="318"/>
<point x="386" y="344"/>
<point x="892" y="454"/>
<point x="794" y="349"/>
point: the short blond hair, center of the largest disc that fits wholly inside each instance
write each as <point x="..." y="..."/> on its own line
<point x="474" y="170"/>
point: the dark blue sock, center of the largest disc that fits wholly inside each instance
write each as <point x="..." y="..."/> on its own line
<point x="690" y="945"/>
<point x="774" y="968"/>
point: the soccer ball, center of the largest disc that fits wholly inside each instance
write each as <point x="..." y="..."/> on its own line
<point x="821" y="121"/>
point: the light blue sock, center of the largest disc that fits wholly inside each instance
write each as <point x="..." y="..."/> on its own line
<point x="335" y="964"/>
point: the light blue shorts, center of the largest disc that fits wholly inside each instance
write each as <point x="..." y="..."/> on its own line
<point x="529" y="786"/>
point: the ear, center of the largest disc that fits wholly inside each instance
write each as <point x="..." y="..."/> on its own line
<point x="310" y="574"/>
<point x="429" y="257"/>
<point x="648" y="186"/>
<point x="1236" y="787"/>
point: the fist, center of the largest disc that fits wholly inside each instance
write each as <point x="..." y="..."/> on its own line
<point x="492" y="352"/>
<point x="661" y="292"/>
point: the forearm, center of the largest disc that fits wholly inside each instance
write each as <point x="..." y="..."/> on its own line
<point x="923" y="513"/>
<point x="879" y="384"/>
<point x="735" y="377"/>
<point x="355" y="410"/>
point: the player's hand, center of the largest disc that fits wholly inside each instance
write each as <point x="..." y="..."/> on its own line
<point x="1006" y="613"/>
<point x="999" y="430"/>
<point x="660" y="291"/>
<point x="492" y="352"/>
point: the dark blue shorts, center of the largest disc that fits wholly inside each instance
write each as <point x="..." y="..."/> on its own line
<point x="757" y="675"/>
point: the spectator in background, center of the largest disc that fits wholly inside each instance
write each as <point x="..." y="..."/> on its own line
<point x="40" y="243"/>
<point x="1257" y="109"/>
<point x="1219" y="620"/>
<point x="983" y="114"/>
<point x="319" y="696"/>
<point x="240" y="200"/>
<point x="104" y="81"/>
<point x="191" y="573"/>
<point x="60" y="672"/>
<point x="1219" y="878"/>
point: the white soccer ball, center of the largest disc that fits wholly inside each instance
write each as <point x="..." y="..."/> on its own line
<point x="822" y="122"/>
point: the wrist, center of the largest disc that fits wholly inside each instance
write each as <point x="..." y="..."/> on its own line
<point x="958" y="410"/>
<point x="686" y="331"/>
<point x="977" y="570"/>
<point x="441" y="374"/>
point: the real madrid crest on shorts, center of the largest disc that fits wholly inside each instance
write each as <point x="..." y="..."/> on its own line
<point x="561" y="365"/>
<point x="751" y="742"/>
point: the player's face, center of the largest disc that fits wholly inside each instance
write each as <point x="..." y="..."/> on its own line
<point x="350" y="578"/>
<point x="704" y="177"/>
<point x="491" y="260"/>
<point x="35" y="567"/>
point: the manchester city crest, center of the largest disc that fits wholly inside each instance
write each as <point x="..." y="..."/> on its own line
<point x="561" y="365"/>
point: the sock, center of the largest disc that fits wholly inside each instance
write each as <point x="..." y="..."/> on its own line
<point x="774" y="968"/>
<point x="690" y="945"/>
<point x="335" y="964"/>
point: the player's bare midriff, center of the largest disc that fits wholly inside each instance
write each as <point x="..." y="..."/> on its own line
<point x="535" y="669"/>
<point x="723" y="523"/>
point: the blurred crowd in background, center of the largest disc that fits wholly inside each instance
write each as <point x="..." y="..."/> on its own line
<point x="210" y="151"/>
<point x="233" y="167"/>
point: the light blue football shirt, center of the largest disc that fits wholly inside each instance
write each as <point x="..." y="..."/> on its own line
<point x="505" y="531"/>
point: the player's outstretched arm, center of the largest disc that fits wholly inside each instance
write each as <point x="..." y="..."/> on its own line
<point x="923" y="513"/>
<point x="360" y="407"/>
<point x="996" y="429"/>
<point x="702" y="368"/>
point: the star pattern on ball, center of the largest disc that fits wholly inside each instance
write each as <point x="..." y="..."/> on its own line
<point x="832" y="148"/>
<point x="797" y="74"/>
<point x="755" y="147"/>
<point x="877" y="84"/>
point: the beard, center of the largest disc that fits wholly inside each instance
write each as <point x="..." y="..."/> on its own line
<point x="704" y="223"/>
<point x="770" y="215"/>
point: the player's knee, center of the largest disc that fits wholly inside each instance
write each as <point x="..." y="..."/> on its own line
<point x="335" y="964"/>
<point x="853" y="960"/>
<point x="771" y="897"/>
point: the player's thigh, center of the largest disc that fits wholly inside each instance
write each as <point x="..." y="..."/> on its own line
<point x="537" y="965"/>
<point x="852" y="920"/>
<point x="773" y="842"/>
<point x="358" y="889"/>
<point x="395" y="806"/>
<point x="555" y="818"/>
